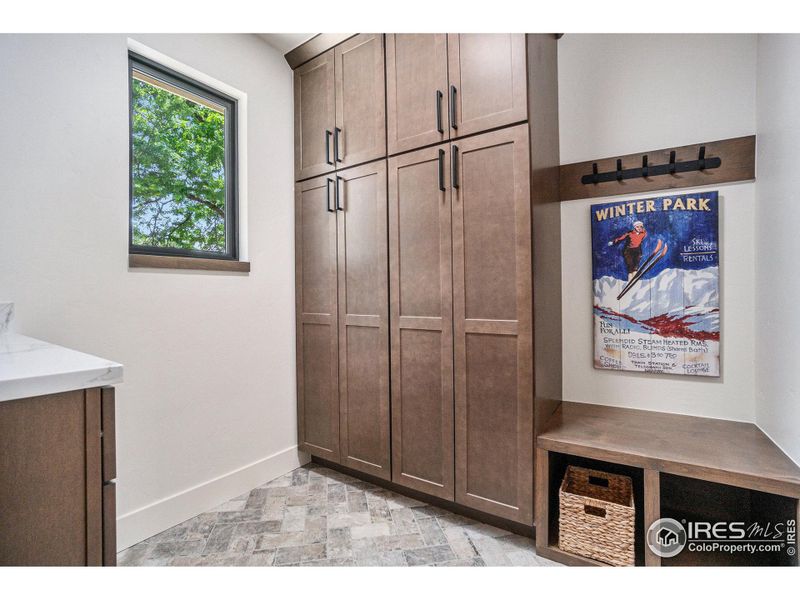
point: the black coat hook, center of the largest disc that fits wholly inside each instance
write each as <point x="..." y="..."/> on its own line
<point x="672" y="162"/>
<point x="594" y="173"/>
<point x="645" y="169"/>
<point x="619" y="169"/>
<point x="701" y="158"/>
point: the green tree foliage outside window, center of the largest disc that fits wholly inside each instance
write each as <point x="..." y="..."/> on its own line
<point x="178" y="171"/>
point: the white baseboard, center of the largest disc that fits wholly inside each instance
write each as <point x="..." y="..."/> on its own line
<point x="154" y="518"/>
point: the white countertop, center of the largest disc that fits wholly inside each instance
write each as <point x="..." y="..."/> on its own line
<point x="31" y="367"/>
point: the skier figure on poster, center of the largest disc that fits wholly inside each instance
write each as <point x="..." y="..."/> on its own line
<point x="632" y="250"/>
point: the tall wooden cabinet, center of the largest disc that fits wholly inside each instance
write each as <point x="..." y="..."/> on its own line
<point x="343" y="317"/>
<point x="339" y="107"/>
<point x="414" y="272"/>
<point x="492" y="316"/>
<point x="420" y="251"/>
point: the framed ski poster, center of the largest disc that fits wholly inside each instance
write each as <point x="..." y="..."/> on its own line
<point x="655" y="272"/>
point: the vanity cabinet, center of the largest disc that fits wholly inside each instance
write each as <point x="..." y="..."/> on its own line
<point x="57" y="471"/>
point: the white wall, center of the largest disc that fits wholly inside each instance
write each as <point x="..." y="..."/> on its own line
<point x="207" y="410"/>
<point x="777" y="322"/>
<point x="625" y="93"/>
<point x="620" y="94"/>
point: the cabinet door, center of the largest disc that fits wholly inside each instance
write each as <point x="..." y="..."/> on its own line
<point x="314" y="117"/>
<point x="421" y="320"/>
<point x="492" y="315"/>
<point x="360" y="134"/>
<point x="487" y="81"/>
<point x="363" y="319"/>
<point x="416" y="86"/>
<point x="316" y="310"/>
<point x="51" y="480"/>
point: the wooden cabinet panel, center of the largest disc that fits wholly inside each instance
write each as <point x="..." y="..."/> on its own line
<point x="314" y="117"/>
<point x="416" y="88"/>
<point x="360" y="134"/>
<point x="316" y="310"/>
<point x="488" y="81"/>
<point x="421" y="320"/>
<point x="50" y="489"/>
<point x="363" y="318"/>
<point x="110" y="524"/>
<point x="492" y="316"/>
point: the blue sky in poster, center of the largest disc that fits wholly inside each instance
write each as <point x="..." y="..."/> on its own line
<point x="692" y="235"/>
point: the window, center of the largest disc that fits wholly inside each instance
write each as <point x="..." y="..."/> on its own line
<point x="183" y="198"/>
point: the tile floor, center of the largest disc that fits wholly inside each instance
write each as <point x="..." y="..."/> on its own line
<point x="314" y="516"/>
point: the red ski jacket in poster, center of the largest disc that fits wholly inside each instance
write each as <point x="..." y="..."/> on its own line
<point x="635" y="239"/>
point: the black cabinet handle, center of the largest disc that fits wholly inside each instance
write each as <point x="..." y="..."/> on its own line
<point x="454" y="167"/>
<point x="439" y="126"/>
<point x="453" y="123"/>
<point x="328" y="183"/>
<point x="339" y="197"/>
<point x="328" y="135"/>
<point x="441" y="170"/>
<point x="336" y="132"/>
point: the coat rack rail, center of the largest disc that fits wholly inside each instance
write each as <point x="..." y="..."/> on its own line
<point x="647" y="170"/>
<point x="702" y="164"/>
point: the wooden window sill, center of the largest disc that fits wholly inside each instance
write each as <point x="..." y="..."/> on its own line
<point x="150" y="261"/>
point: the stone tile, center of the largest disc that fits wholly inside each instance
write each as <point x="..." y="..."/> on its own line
<point x="395" y="558"/>
<point x="490" y="551"/>
<point x="398" y="542"/>
<point x="339" y="543"/>
<point x="357" y="502"/>
<point x="316" y="530"/>
<point x="220" y="538"/>
<point x="299" y="554"/>
<point x="167" y="550"/>
<point x="403" y="521"/>
<point x="432" y="534"/>
<point x="522" y="558"/>
<point x="239" y="517"/>
<point x="133" y="556"/>
<point x="460" y="542"/>
<point x="257" y="528"/>
<point x="299" y="477"/>
<point x="463" y="562"/>
<point x="337" y="493"/>
<point x="257" y="499"/>
<point x="294" y="518"/>
<point x="429" y="555"/>
<point x="314" y="516"/>
<point x="370" y="531"/>
<point x="378" y="509"/>
<point x="329" y="562"/>
<point x="271" y="541"/>
<point x="339" y="520"/>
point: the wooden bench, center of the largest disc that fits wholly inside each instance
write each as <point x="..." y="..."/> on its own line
<point x="682" y="467"/>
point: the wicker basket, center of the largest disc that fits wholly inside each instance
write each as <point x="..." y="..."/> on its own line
<point x="596" y="516"/>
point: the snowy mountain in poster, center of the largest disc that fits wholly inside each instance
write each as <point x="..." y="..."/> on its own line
<point x="675" y="303"/>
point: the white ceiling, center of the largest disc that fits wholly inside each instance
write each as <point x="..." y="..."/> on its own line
<point x="285" y="41"/>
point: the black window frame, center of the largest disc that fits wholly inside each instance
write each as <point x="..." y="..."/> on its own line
<point x="137" y="62"/>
